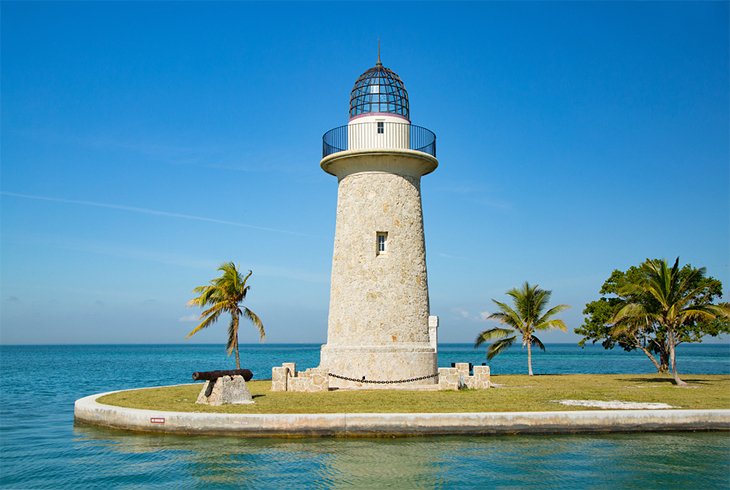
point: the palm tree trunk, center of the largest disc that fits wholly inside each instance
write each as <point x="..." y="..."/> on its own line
<point x="235" y="344"/>
<point x="238" y="357"/>
<point x="673" y="360"/>
<point x="529" y="358"/>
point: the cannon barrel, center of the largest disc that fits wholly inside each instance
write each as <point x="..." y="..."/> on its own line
<point x="213" y="375"/>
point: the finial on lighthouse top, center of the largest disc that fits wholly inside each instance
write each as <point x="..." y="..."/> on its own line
<point x="378" y="63"/>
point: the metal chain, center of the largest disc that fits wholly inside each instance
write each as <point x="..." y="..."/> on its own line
<point x="374" y="381"/>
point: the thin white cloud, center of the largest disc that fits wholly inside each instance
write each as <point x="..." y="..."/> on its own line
<point x="467" y="315"/>
<point x="152" y="212"/>
<point x="461" y="312"/>
<point x="189" y="318"/>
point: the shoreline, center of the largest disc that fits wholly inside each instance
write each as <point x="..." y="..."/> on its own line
<point x="88" y="411"/>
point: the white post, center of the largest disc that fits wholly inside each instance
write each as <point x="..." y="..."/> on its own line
<point x="433" y="331"/>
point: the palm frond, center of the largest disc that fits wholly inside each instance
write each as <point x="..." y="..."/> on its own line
<point x="200" y="299"/>
<point x="624" y="328"/>
<point x="499" y="346"/>
<point x="220" y="306"/>
<point x="630" y="289"/>
<point x="535" y="341"/>
<point x="491" y="334"/>
<point x="722" y="310"/>
<point x="630" y="311"/>
<point x="253" y="318"/>
<point x="244" y="287"/>
<point x="703" y="312"/>
<point x="529" y="301"/>
<point x="551" y="312"/>
<point x="208" y="321"/>
<point x="507" y="315"/>
<point x="555" y="323"/>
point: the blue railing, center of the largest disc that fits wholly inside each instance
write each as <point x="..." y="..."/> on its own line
<point x="378" y="135"/>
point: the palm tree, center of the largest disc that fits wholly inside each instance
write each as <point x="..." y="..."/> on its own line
<point x="678" y="301"/>
<point x="225" y="294"/>
<point x="526" y="317"/>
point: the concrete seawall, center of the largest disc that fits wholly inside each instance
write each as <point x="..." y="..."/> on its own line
<point x="88" y="410"/>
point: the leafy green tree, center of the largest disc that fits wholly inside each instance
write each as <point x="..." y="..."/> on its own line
<point x="524" y="320"/>
<point x="225" y="294"/>
<point x="654" y="308"/>
<point x="598" y="321"/>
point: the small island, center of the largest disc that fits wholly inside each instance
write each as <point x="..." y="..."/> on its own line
<point x="379" y="372"/>
<point x="517" y="393"/>
<point x="523" y="404"/>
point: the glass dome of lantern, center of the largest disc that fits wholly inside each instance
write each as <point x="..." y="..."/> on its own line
<point x="379" y="91"/>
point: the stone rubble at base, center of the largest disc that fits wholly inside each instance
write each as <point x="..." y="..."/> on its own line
<point x="286" y="378"/>
<point x="227" y="390"/>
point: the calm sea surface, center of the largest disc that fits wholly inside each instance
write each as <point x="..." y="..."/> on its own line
<point x="41" y="448"/>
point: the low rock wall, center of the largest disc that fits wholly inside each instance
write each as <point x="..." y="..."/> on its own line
<point x="459" y="377"/>
<point x="286" y="378"/>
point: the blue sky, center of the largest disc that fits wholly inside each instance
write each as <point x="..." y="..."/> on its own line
<point x="143" y="144"/>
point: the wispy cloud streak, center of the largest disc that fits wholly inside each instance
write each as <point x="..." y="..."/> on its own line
<point x="152" y="212"/>
<point x="466" y="315"/>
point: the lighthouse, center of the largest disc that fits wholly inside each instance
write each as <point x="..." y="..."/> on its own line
<point x="379" y="333"/>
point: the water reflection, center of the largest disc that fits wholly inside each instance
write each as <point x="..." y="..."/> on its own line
<point x="568" y="461"/>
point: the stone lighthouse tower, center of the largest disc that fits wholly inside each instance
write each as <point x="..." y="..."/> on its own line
<point x="378" y="326"/>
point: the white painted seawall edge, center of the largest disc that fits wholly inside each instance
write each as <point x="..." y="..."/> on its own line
<point x="88" y="410"/>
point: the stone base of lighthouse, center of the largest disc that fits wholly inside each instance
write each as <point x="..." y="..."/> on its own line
<point x="404" y="362"/>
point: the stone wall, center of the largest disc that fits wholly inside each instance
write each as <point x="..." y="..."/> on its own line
<point x="286" y="378"/>
<point x="279" y="377"/>
<point x="459" y="377"/>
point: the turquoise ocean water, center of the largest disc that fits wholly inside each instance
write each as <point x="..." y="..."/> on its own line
<point x="41" y="448"/>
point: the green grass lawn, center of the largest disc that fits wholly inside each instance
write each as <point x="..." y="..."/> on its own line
<point x="518" y="393"/>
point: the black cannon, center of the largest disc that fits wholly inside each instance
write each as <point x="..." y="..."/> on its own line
<point x="213" y="376"/>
